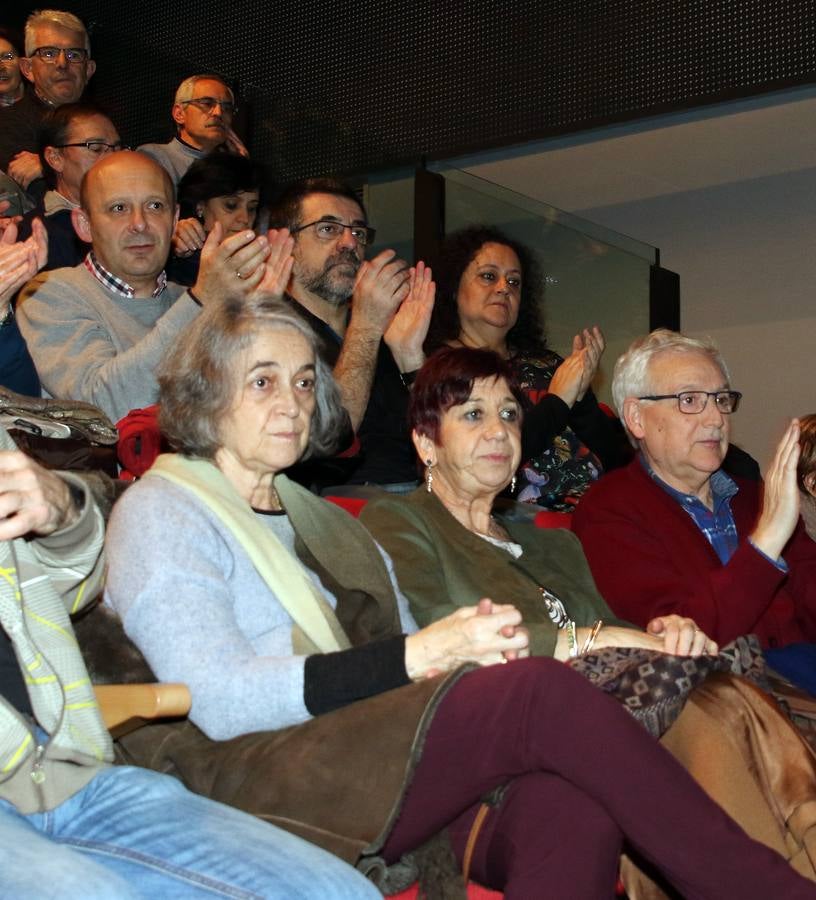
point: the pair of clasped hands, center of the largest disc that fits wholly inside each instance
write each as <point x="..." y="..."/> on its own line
<point x="491" y="633"/>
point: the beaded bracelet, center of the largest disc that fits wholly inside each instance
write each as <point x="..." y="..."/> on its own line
<point x="572" y="640"/>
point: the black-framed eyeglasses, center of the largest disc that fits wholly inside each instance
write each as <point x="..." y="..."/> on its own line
<point x="73" y="55"/>
<point x="693" y="402"/>
<point x="329" y="230"/>
<point x="8" y="56"/>
<point x="208" y="104"/>
<point x="97" y="147"/>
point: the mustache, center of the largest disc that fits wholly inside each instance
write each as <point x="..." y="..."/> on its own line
<point x="343" y="257"/>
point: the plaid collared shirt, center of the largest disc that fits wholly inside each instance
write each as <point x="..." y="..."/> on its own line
<point x="717" y="525"/>
<point x="114" y="283"/>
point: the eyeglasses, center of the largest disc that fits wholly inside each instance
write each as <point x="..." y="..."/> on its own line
<point x="208" y="104"/>
<point x="8" y="56"/>
<point x="97" y="147"/>
<point x="73" y="55"/>
<point x="693" y="402"/>
<point x="327" y="230"/>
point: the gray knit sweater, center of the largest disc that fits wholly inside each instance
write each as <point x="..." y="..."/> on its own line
<point x="89" y="343"/>
<point x="175" y="156"/>
<point x="191" y="600"/>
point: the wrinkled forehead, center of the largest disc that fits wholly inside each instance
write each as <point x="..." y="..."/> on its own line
<point x="331" y="206"/>
<point x="124" y="178"/>
<point x="206" y="87"/>
<point x="672" y="371"/>
<point x="53" y="35"/>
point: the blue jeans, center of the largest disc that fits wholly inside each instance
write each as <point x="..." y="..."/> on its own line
<point x="133" y="833"/>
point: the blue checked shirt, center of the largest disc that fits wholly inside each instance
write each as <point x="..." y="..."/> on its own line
<point x="718" y="524"/>
<point x="114" y="283"/>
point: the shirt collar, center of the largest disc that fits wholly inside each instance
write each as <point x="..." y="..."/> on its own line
<point x="114" y="283"/>
<point x="723" y="487"/>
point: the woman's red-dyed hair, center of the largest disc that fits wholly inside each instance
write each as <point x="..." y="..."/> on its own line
<point x="446" y="380"/>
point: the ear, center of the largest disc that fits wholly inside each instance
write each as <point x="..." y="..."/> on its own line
<point x="82" y="225"/>
<point x="54" y="158"/>
<point x="810" y="483"/>
<point x="177" y="112"/>
<point x="176" y="217"/>
<point x="25" y="68"/>
<point x="90" y="68"/>
<point x="425" y="447"/>
<point x="633" y="417"/>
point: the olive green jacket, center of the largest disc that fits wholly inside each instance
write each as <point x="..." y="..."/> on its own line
<point x="441" y="566"/>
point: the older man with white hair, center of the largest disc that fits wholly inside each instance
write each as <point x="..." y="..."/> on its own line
<point x="202" y="110"/>
<point x="672" y="532"/>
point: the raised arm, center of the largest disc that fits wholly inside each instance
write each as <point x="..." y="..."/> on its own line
<point x="381" y="285"/>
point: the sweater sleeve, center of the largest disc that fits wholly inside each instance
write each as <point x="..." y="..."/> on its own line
<point x="649" y="561"/>
<point x="75" y="355"/>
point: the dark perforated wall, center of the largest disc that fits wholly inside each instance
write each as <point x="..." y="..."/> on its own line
<point x="353" y="87"/>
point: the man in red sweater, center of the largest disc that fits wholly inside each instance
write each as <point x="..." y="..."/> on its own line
<point x="672" y="532"/>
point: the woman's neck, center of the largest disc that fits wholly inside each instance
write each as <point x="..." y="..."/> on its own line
<point x="471" y="511"/>
<point x="256" y="488"/>
<point x="483" y="337"/>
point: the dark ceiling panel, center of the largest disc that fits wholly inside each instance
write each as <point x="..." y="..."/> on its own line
<point x="356" y="87"/>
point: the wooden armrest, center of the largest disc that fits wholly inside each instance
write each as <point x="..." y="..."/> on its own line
<point x="125" y="706"/>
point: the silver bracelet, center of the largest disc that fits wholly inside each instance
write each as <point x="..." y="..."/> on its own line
<point x="590" y="641"/>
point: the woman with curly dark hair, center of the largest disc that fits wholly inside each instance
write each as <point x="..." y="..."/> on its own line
<point x="489" y="296"/>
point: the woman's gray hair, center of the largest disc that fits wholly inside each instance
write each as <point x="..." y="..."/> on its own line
<point x="198" y="379"/>
<point x="631" y="375"/>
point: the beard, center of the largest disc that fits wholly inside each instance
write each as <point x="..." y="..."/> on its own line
<point x="329" y="283"/>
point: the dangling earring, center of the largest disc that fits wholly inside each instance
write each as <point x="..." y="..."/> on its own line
<point x="513" y="485"/>
<point x="428" y="476"/>
<point x="200" y="214"/>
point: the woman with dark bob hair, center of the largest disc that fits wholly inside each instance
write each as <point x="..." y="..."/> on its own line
<point x="489" y="297"/>
<point x="222" y="189"/>
<point x="316" y="702"/>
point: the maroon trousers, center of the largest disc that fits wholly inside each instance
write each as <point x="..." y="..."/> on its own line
<point x="584" y="776"/>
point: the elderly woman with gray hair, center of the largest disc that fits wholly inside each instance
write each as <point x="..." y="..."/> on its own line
<point x="316" y="702"/>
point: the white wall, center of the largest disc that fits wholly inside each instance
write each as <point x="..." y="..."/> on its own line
<point x="728" y="194"/>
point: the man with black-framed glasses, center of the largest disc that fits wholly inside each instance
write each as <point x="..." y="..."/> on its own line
<point x="673" y="532"/>
<point x="58" y="66"/>
<point x="350" y="303"/>
<point x="203" y="109"/>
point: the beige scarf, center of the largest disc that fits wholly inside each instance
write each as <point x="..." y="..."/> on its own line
<point x="316" y="626"/>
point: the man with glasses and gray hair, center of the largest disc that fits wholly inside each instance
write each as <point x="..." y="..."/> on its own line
<point x="202" y="110"/>
<point x="672" y="532"/>
<point x="58" y="64"/>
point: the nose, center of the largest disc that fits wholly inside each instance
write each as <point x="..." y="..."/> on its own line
<point x="497" y="429"/>
<point x="287" y="401"/>
<point x="62" y="59"/>
<point x="137" y="219"/>
<point x="346" y="239"/>
<point x="712" y="414"/>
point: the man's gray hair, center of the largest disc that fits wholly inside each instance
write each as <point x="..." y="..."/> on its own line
<point x="52" y="17"/>
<point x="631" y="375"/>
<point x="199" y="379"/>
<point x="185" y="90"/>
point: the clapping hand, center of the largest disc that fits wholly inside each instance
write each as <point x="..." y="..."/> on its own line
<point x="408" y="329"/>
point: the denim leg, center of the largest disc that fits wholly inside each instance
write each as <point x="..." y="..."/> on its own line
<point x="163" y="841"/>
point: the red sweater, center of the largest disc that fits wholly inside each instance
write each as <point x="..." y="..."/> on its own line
<point x="649" y="558"/>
